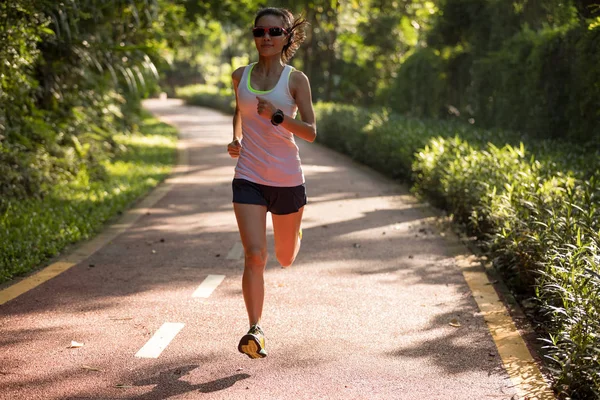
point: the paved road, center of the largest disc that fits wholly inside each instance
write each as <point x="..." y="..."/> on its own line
<point x="366" y="312"/>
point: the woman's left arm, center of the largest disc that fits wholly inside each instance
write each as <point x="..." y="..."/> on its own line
<point x="306" y="128"/>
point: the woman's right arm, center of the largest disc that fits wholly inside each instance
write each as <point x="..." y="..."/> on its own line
<point x="234" y="147"/>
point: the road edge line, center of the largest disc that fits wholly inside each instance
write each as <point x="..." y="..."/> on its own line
<point x="516" y="356"/>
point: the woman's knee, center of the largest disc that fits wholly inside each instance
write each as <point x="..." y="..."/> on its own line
<point x="285" y="258"/>
<point x="256" y="257"/>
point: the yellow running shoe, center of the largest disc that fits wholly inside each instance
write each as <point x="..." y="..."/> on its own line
<point x="253" y="343"/>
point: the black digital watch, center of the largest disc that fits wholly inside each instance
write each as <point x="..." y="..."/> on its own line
<point x="277" y="117"/>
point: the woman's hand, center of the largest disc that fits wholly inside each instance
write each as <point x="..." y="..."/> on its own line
<point x="265" y="108"/>
<point x="234" y="148"/>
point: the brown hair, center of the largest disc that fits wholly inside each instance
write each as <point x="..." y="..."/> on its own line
<point x="294" y="26"/>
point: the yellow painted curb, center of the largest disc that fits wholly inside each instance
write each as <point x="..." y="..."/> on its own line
<point x="86" y="249"/>
<point x="517" y="360"/>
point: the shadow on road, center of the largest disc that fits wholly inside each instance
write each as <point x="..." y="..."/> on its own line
<point x="169" y="383"/>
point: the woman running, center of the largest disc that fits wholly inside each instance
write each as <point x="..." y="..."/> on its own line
<point x="268" y="175"/>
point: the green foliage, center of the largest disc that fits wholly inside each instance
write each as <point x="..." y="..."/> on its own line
<point x="351" y="52"/>
<point x="208" y="96"/>
<point x="224" y="10"/>
<point x="71" y="76"/>
<point x="33" y="230"/>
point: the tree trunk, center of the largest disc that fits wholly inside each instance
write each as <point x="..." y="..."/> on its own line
<point x="333" y="16"/>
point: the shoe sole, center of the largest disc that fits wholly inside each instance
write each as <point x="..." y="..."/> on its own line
<point x="250" y="346"/>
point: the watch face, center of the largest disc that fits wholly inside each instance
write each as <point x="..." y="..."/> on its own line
<point x="277" y="117"/>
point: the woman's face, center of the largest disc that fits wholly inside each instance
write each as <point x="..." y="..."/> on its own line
<point x="270" y="45"/>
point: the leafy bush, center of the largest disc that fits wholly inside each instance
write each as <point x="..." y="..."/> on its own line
<point x="33" y="230"/>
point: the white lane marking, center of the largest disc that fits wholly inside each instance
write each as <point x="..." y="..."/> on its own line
<point x="236" y="252"/>
<point x="207" y="286"/>
<point x="160" y="340"/>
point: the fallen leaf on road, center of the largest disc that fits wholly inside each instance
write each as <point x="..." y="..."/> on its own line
<point x="75" y="345"/>
<point x="356" y="245"/>
<point x="454" y="322"/>
<point x="91" y="368"/>
<point x="153" y="251"/>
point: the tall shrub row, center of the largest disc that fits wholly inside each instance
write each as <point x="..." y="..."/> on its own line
<point x="543" y="82"/>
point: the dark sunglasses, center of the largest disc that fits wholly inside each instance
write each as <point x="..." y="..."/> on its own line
<point x="260" y="31"/>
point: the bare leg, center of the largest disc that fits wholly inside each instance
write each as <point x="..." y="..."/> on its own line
<point x="252" y="223"/>
<point x="287" y="240"/>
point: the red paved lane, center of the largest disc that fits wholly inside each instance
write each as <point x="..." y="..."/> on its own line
<point x="363" y="314"/>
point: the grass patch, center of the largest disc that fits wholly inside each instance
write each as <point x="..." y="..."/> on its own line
<point x="34" y="230"/>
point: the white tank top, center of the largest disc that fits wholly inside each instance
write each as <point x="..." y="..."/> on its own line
<point x="269" y="154"/>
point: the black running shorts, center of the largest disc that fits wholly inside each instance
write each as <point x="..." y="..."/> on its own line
<point x="278" y="200"/>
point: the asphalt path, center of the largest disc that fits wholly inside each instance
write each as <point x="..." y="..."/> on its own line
<point x="374" y="307"/>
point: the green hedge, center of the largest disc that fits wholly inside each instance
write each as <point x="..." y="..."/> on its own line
<point x="542" y="231"/>
<point x="33" y="230"/>
<point x="538" y="219"/>
<point x="535" y="208"/>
